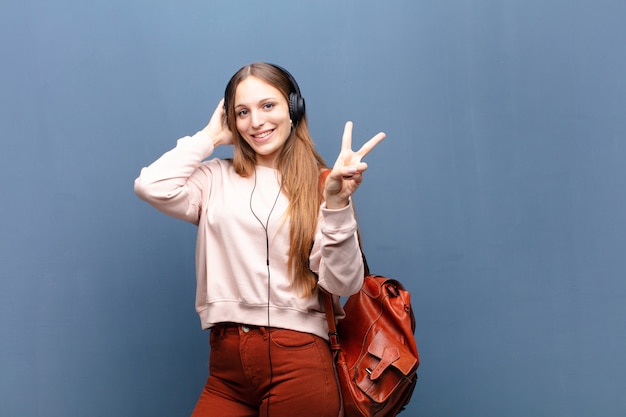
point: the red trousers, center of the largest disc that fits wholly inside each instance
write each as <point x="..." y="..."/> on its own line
<point x="254" y="371"/>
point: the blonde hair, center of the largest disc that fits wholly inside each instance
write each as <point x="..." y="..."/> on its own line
<point x="299" y="164"/>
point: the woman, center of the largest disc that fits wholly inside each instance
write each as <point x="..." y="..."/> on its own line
<point x="271" y="233"/>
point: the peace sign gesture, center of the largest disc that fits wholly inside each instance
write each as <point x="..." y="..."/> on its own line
<point x="347" y="173"/>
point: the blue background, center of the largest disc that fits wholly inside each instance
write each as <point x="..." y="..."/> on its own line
<point x="498" y="197"/>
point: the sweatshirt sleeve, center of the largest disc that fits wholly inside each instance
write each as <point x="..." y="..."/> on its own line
<point x="175" y="183"/>
<point x="336" y="255"/>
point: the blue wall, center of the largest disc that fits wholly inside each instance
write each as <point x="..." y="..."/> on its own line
<point x="498" y="197"/>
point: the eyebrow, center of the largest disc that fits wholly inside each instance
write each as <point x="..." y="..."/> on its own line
<point x="264" y="100"/>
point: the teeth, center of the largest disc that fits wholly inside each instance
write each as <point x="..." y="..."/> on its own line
<point x="262" y="135"/>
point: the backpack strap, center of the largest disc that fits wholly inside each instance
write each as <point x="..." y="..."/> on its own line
<point x="333" y="337"/>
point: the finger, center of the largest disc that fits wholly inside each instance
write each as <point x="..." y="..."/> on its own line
<point x="220" y="107"/>
<point x="220" y="111"/>
<point x="371" y="144"/>
<point x="346" y="139"/>
<point x="349" y="172"/>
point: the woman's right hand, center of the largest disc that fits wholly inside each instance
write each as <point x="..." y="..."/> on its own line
<point x="217" y="129"/>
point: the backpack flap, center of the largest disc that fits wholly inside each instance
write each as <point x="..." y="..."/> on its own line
<point x="397" y="355"/>
<point x="387" y="365"/>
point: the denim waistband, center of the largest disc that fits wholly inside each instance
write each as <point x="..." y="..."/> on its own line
<point x="238" y="328"/>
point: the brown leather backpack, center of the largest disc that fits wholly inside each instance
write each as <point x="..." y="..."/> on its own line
<point x="374" y="348"/>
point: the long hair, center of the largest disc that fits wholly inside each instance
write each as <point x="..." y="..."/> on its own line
<point x="299" y="164"/>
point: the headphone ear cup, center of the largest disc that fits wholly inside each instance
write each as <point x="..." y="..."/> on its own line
<point x="296" y="107"/>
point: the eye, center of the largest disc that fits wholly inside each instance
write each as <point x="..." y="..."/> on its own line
<point x="242" y="113"/>
<point x="268" y="106"/>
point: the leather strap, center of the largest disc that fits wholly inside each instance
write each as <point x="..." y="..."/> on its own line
<point x="333" y="338"/>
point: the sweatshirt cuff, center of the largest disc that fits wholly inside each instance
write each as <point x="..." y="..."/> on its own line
<point x="203" y="141"/>
<point x="339" y="219"/>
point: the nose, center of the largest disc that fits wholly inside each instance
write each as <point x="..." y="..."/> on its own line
<point x="257" y="119"/>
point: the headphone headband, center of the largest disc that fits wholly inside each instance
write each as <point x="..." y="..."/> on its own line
<point x="294" y="84"/>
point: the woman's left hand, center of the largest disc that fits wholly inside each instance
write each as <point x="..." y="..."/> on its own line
<point x="347" y="173"/>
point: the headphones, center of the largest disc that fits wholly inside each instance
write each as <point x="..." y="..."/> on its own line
<point x="297" y="106"/>
<point x="296" y="101"/>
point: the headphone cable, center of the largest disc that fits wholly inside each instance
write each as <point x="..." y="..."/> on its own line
<point x="267" y="263"/>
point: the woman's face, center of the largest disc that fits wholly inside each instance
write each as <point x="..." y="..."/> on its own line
<point x="262" y="115"/>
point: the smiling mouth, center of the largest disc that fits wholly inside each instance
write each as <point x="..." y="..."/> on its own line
<point x="262" y="135"/>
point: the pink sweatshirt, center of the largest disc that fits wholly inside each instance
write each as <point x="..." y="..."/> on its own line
<point x="232" y="269"/>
